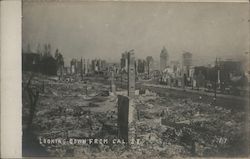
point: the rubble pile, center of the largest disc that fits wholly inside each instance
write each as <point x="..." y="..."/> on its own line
<point x="68" y="110"/>
<point x="197" y="129"/>
<point x="166" y="126"/>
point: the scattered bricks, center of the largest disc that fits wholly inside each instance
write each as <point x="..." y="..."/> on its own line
<point x="142" y="91"/>
<point x="93" y="105"/>
<point x="147" y="92"/>
<point x="104" y="93"/>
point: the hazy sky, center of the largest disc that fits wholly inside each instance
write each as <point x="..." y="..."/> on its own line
<point x="106" y="29"/>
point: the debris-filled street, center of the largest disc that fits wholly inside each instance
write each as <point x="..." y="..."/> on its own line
<point x="167" y="126"/>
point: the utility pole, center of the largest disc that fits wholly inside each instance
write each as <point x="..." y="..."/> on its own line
<point x="215" y="81"/>
<point x="218" y="72"/>
<point x="148" y="68"/>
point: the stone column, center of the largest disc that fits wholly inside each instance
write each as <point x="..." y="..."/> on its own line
<point x="127" y="116"/>
<point x="88" y="67"/>
<point x="131" y="74"/>
<point x="122" y="122"/>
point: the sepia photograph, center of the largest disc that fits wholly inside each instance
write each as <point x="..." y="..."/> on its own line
<point x="123" y="79"/>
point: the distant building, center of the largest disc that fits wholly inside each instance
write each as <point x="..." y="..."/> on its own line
<point x="200" y="76"/>
<point x="150" y="63"/>
<point x="113" y="67"/>
<point x="86" y="66"/>
<point x="93" y="65"/>
<point x="163" y="59"/>
<point x="232" y="67"/>
<point x="78" y="67"/>
<point x="124" y="61"/>
<point x="98" y="65"/>
<point x="171" y="75"/>
<point x="175" y="65"/>
<point x="73" y="66"/>
<point x="140" y="66"/>
<point x="187" y="62"/>
<point x="103" y="65"/>
<point x="230" y="71"/>
<point x="225" y="73"/>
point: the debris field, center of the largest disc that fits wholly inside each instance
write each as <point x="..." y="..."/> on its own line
<point x="167" y="126"/>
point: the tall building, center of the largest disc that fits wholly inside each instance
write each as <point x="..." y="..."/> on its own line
<point x="163" y="59"/>
<point x="187" y="62"/>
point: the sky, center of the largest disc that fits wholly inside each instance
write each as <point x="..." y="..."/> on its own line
<point x="107" y="29"/>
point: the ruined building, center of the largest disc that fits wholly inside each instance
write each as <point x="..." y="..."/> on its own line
<point x="124" y="61"/>
<point x="163" y="59"/>
<point x="186" y="63"/>
<point x="150" y="63"/>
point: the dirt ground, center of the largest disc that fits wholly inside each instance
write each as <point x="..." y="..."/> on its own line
<point x="168" y="126"/>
